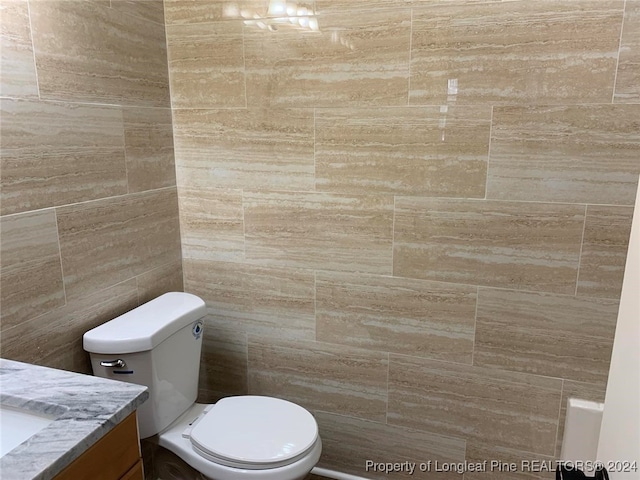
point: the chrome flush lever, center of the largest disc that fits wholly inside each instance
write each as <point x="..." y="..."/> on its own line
<point x="119" y="363"/>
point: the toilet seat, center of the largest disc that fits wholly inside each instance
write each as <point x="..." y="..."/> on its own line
<point x="253" y="432"/>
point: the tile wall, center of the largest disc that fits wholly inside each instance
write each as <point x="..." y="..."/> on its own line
<point x="409" y="216"/>
<point x="89" y="225"/>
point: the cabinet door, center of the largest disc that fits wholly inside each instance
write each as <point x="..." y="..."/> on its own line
<point x="110" y="457"/>
<point x="136" y="473"/>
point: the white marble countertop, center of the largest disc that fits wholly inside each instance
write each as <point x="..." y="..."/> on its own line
<point x="85" y="407"/>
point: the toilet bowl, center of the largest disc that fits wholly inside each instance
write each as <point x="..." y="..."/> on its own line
<point x="243" y="437"/>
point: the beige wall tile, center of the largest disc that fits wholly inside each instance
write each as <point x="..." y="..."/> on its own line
<point x="505" y="409"/>
<point x="575" y="154"/>
<point x="348" y="443"/>
<point x="223" y="365"/>
<point x="207" y="65"/>
<point x="147" y="9"/>
<point x="319" y="230"/>
<point x="432" y="151"/>
<point x="276" y="302"/>
<point x="628" y="78"/>
<point x="90" y="53"/>
<point x="212" y="224"/>
<point x="56" y="153"/>
<point x="55" y="339"/>
<point x="413" y="317"/>
<point x="502" y="52"/>
<point x="509" y="464"/>
<point x="30" y="271"/>
<point x="320" y="376"/>
<point x="156" y="282"/>
<point x="522" y="246"/>
<point x="207" y="11"/>
<point x="352" y="60"/>
<point x="148" y="137"/>
<point x="604" y="251"/>
<point x="17" y="63"/>
<point x="108" y="241"/>
<point x="583" y="391"/>
<point x="551" y="335"/>
<point x="254" y="148"/>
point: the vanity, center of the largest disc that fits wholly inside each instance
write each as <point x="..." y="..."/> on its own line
<point x="63" y="425"/>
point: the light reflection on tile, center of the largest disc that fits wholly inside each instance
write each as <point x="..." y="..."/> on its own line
<point x="628" y="78"/>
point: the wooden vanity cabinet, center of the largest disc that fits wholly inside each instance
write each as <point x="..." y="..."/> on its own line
<point x="116" y="456"/>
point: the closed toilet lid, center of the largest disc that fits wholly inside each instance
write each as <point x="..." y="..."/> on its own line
<point x="254" y="432"/>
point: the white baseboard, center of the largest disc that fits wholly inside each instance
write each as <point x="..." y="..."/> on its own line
<point x="323" y="472"/>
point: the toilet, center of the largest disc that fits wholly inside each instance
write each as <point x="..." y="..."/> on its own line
<point x="244" y="437"/>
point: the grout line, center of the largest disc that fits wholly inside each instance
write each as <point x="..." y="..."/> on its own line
<point x="315" y="308"/>
<point x="113" y="197"/>
<point x="615" y="73"/>
<point x="393" y="235"/>
<point x="244" y="71"/>
<point x="124" y="149"/>
<point x="584" y="227"/>
<point x="386" y="414"/>
<point x="475" y="325"/>
<point x="315" y="171"/>
<point x="64" y="287"/>
<point x="33" y="49"/>
<point x="410" y="47"/>
<point x="555" y="443"/>
<point x="244" y="227"/>
<point x="486" y="184"/>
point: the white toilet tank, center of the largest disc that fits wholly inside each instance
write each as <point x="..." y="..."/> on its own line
<point x="157" y="345"/>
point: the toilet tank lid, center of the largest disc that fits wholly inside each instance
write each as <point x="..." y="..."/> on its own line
<point x="146" y="326"/>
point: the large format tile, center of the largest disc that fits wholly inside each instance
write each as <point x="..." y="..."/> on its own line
<point x="628" y="78"/>
<point x="522" y="246"/>
<point x="505" y="409"/>
<point x="212" y="224"/>
<point x="255" y="148"/>
<point x="350" y="60"/>
<point x="431" y="151"/>
<point x="583" y="391"/>
<point x="604" y="251"/>
<point x="320" y="376"/>
<point x="207" y="11"/>
<point x="223" y="365"/>
<point x="551" y="335"/>
<point x="277" y="302"/>
<point x="17" y="63"/>
<point x="319" y="230"/>
<point x="148" y="138"/>
<point x="207" y="65"/>
<point x="515" y="52"/>
<point x="55" y="339"/>
<point x="401" y="315"/>
<point x="92" y="53"/>
<point x="574" y="154"/>
<point x="108" y="241"/>
<point x="55" y="153"/>
<point x="30" y="271"/>
<point x="348" y="443"/>
<point x="499" y="463"/>
<point x="156" y="282"/>
<point x="148" y="9"/>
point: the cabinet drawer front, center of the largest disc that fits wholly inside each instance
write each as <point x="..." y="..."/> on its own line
<point x="136" y="472"/>
<point x="110" y="458"/>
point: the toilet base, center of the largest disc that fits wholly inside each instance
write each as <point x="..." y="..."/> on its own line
<point x="171" y="439"/>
